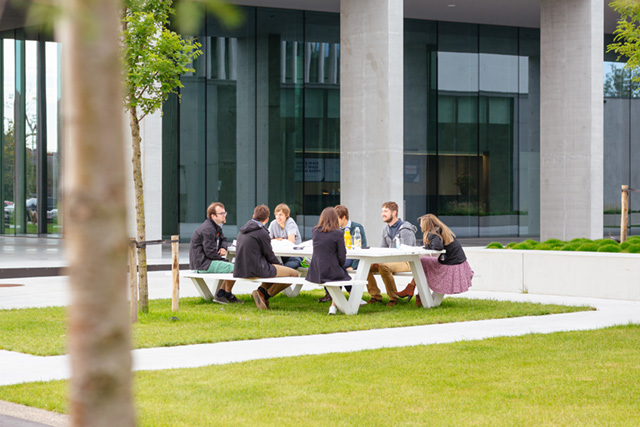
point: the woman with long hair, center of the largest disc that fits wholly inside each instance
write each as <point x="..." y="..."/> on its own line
<point x="329" y="252"/>
<point x="449" y="273"/>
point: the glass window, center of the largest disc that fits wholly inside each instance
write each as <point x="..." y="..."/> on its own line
<point x="53" y="98"/>
<point x="458" y="161"/>
<point x="497" y="157"/>
<point x="528" y="130"/>
<point x="420" y="119"/>
<point x="621" y="142"/>
<point x="8" y="136"/>
<point x="318" y="159"/>
<point x="31" y="135"/>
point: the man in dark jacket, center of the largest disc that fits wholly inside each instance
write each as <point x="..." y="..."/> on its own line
<point x="255" y="257"/>
<point x="208" y="251"/>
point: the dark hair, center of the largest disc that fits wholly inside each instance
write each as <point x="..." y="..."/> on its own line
<point x="392" y="206"/>
<point x="211" y="210"/>
<point x="328" y="220"/>
<point x="342" y="211"/>
<point x="261" y="212"/>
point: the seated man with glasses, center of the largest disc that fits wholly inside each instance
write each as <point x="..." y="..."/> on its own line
<point x="208" y="251"/>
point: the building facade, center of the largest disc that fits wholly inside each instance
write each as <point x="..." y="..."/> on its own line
<point x="482" y="122"/>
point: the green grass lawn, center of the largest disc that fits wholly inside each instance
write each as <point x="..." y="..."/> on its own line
<point x="569" y="378"/>
<point x="201" y="322"/>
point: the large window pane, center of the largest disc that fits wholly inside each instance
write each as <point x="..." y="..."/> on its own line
<point x="281" y="74"/>
<point x="497" y="154"/>
<point x="420" y="119"/>
<point x="8" y="136"/>
<point x="528" y="130"/>
<point x="318" y="159"/>
<point x="458" y="158"/>
<point x="53" y="96"/>
<point x="31" y="135"/>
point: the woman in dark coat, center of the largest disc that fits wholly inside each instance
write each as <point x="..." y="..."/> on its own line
<point x="329" y="252"/>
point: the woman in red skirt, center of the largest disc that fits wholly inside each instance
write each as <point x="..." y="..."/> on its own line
<point x="450" y="272"/>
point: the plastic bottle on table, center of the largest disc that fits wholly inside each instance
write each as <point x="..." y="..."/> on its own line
<point x="357" y="239"/>
<point x="396" y="241"/>
<point x="347" y="239"/>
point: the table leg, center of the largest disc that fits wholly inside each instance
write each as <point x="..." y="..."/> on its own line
<point x="421" y="283"/>
<point x="202" y="288"/>
<point x="351" y="305"/>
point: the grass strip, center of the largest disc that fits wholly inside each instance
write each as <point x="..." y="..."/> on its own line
<point x="567" y="378"/>
<point x="202" y="322"/>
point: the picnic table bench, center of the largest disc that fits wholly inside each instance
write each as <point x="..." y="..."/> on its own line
<point x="345" y="305"/>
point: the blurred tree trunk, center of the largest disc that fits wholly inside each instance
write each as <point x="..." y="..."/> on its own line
<point x="95" y="211"/>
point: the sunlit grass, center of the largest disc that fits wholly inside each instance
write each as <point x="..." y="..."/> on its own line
<point x="202" y="322"/>
<point x="569" y="378"/>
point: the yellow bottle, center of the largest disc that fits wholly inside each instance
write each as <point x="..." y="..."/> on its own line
<point x="347" y="239"/>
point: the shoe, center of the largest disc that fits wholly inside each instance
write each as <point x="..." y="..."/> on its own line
<point x="408" y="291"/>
<point x="418" y="301"/>
<point x="259" y="299"/>
<point x="333" y="309"/>
<point x="392" y="303"/>
<point x="374" y="301"/>
<point x="220" y="299"/>
<point x="234" y="300"/>
<point x="326" y="298"/>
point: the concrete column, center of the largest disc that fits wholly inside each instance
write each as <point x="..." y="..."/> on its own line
<point x="571" y="119"/>
<point x="151" y="131"/>
<point x="371" y="109"/>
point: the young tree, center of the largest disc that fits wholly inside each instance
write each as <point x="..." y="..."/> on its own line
<point x="627" y="34"/>
<point x="154" y="59"/>
<point x="95" y="206"/>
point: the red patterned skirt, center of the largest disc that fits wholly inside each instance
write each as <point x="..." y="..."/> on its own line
<point x="447" y="279"/>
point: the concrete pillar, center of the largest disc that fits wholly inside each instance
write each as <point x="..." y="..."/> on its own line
<point x="371" y="109"/>
<point x="571" y="119"/>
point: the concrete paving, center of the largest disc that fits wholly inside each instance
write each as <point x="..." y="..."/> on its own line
<point x="17" y="368"/>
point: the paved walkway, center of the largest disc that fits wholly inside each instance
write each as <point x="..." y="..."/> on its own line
<point x="46" y="291"/>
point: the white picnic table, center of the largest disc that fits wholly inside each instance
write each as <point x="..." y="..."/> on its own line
<point x="367" y="257"/>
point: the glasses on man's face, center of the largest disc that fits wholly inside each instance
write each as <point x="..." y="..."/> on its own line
<point x="221" y="213"/>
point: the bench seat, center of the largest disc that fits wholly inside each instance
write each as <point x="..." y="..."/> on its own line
<point x="346" y="306"/>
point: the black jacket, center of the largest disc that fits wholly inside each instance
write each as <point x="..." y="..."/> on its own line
<point x="254" y="256"/>
<point x="205" y="243"/>
<point x="329" y="255"/>
<point x="454" y="254"/>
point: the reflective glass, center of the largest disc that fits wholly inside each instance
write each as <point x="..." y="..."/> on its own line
<point x="621" y="143"/>
<point x="420" y="119"/>
<point x="53" y="98"/>
<point x="31" y="135"/>
<point x="8" y="136"/>
<point x="318" y="159"/>
<point x="192" y="157"/>
<point x="528" y="130"/>
<point x="497" y="157"/>
<point x="458" y="158"/>
<point x="281" y="73"/>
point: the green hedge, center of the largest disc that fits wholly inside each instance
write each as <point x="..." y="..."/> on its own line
<point x="632" y="245"/>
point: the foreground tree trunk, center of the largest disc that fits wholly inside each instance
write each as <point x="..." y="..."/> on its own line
<point x="136" y="159"/>
<point x="94" y="203"/>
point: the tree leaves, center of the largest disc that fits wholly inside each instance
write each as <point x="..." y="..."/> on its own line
<point x="627" y="33"/>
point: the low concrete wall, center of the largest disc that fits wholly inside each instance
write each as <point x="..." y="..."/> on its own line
<point x="585" y="274"/>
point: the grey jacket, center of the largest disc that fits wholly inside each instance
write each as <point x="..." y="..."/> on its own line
<point x="407" y="233"/>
